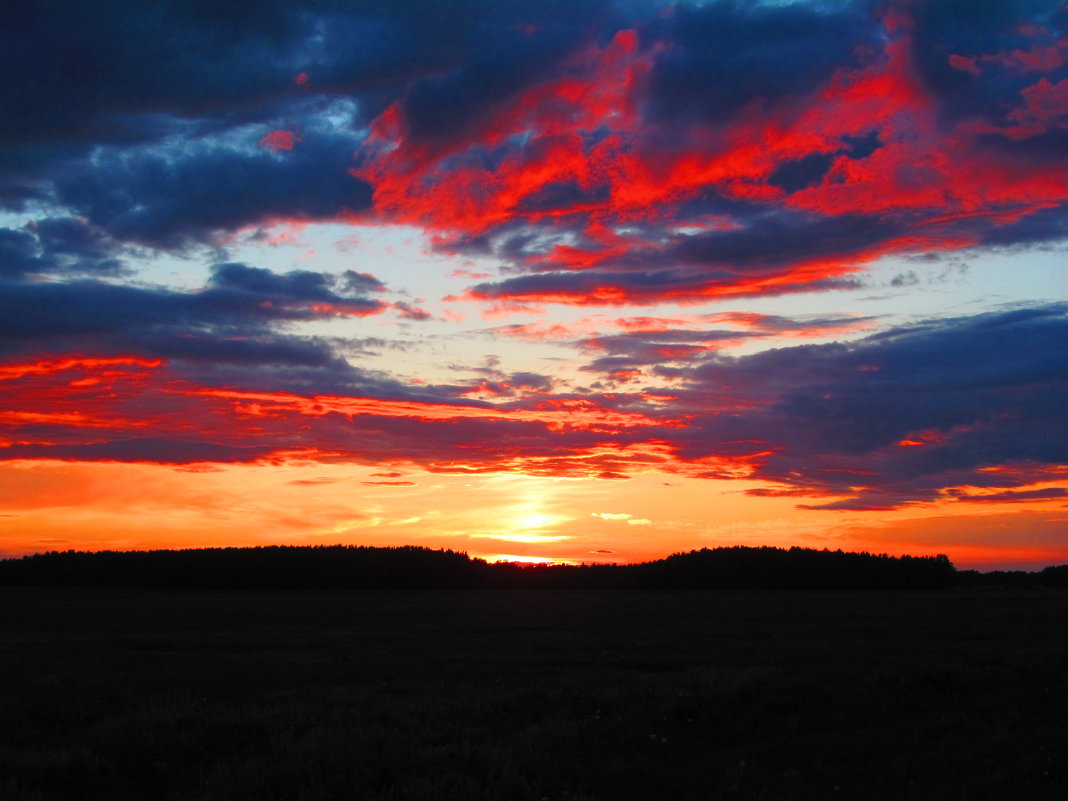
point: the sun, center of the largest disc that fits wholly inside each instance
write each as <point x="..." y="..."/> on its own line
<point x="532" y="521"/>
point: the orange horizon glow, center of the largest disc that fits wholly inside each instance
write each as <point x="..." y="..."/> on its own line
<point x="52" y="505"/>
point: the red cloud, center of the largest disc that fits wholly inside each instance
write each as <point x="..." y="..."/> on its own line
<point x="93" y="365"/>
<point x="562" y="414"/>
<point x="279" y="140"/>
<point x="141" y="410"/>
<point x="575" y="155"/>
<point x="812" y="420"/>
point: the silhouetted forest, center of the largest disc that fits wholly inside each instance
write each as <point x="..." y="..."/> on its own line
<point x="411" y="567"/>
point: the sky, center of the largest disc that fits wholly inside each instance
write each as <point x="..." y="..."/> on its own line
<point x="582" y="281"/>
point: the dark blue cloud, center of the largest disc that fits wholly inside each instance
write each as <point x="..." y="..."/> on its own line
<point x="236" y="319"/>
<point x="720" y="56"/>
<point x="207" y="326"/>
<point x="561" y="195"/>
<point x="764" y="243"/>
<point x="636" y="349"/>
<point x="355" y="283"/>
<point x="173" y="197"/>
<point x="962" y="28"/>
<point x="299" y="285"/>
<point x="536" y="381"/>
<point x="87" y="71"/>
<point x="521" y="45"/>
<point x="409" y="312"/>
<point x="1044" y="226"/>
<point x="123" y="448"/>
<point x="791" y="176"/>
<point x="18" y="253"/>
<point x="61" y="245"/>
<point x="986" y="391"/>
<point x="778" y="240"/>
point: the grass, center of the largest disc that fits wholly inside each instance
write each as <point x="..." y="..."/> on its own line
<point x="952" y="694"/>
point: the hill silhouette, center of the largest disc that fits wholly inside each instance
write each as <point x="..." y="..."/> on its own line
<point x="412" y="567"/>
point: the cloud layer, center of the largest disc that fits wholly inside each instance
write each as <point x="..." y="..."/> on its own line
<point x="599" y="154"/>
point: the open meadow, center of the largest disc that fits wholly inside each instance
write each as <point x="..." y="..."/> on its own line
<point x="530" y="695"/>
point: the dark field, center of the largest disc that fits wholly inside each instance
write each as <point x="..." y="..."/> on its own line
<point x="496" y="695"/>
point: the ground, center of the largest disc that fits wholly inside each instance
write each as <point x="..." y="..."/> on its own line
<point x="530" y="695"/>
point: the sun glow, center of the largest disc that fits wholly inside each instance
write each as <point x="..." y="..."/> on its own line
<point x="524" y="538"/>
<point x="538" y="521"/>
<point x="525" y="560"/>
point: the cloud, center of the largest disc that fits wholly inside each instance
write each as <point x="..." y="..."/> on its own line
<point x="902" y="416"/>
<point x="532" y="381"/>
<point x="87" y="84"/>
<point x="719" y="58"/>
<point x="409" y="312"/>
<point x="132" y="409"/>
<point x="636" y="349"/>
<point x="170" y="197"/>
<point x="976" y="62"/>
<point x="233" y="319"/>
<point x="640" y="288"/>
<point x="820" y="154"/>
<point x="606" y="154"/>
<point x="460" y="103"/>
<point x="649" y="341"/>
<point x="956" y="410"/>
<point x="234" y="331"/>
<point x="600" y="155"/>
<point x="1017" y="496"/>
<point x="312" y="292"/>
<point x="57" y="246"/>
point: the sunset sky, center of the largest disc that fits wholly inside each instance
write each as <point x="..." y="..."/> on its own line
<point x="569" y="281"/>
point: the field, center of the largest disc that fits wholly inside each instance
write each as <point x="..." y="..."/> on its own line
<point x="531" y="695"/>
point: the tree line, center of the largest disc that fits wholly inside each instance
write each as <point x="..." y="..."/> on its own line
<point x="413" y="567"/>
